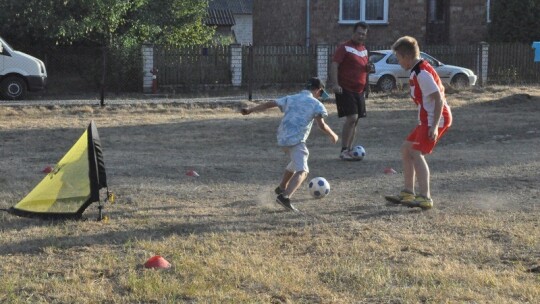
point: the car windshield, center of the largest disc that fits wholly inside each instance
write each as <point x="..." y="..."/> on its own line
<point x="375" y="57"/>
<point x="392" y="59"/>
<point x="434" y="62"/>
<point x="5" y="45"/>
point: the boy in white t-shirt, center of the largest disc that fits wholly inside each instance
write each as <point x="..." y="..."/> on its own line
<point x="300" y="110"/>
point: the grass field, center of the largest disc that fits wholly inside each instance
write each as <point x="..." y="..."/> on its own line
<point x="229" y="242"/>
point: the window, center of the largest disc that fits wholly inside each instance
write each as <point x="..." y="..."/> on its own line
<point x="392" y="59"/>
<point x="434" y="62"/>
<point x="375" y="57"/>
<point x="370" y="11"/>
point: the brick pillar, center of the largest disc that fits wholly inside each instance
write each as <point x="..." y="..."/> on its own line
<point x="483" y="66"/>
<point x="236" y="64"/>
<point x="322" y="61"/>
<point x="148" y="65"/>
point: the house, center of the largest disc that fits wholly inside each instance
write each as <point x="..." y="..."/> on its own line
<point x="232" y="17"/>
<point x="313" y="22"/>
<point x="223" y="21"/>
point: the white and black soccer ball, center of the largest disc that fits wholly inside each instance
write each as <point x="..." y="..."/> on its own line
<point x="319" y="187"/>
<point x="358" y="153"/>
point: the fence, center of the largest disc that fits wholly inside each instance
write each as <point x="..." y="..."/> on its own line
<point x="74" y="70"/>
<point x="192" y="66"/>
<point x="511" y="63"/>
<point x="279" y="65"/>
<point x="79" y="69"/>
<point x="290" y="65"/>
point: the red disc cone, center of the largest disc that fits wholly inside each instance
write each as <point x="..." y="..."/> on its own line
<point x="47" y="169"/>
<point x="192" y="173"/>
<point x="389" y="171"/>
<point x="157" y="262"/>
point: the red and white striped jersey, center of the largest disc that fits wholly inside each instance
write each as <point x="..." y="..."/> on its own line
<point x="424" y="81"/>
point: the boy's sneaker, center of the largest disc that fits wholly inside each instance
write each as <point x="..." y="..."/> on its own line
<point x="285" y="202"/>
<point x="404" y="197"/>
<point x="278" y="190"/>
<point x="346" y="155"/>
<point x="421" y="202"/>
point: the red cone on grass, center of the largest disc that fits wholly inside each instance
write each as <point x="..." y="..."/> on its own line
<point x="389" y="171"/>
<point x="47" y="169"/>
<point x="192" y="173"/>
<point x="157" y="262"/>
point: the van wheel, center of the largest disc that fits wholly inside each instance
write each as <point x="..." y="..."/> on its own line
<point x="13" y="87"/>
<point x="386" y="83"/>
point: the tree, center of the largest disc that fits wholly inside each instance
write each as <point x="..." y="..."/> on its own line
<point x="107" y="22"/>
<point x="118" y="27"/>
<point x="515" y="21"/>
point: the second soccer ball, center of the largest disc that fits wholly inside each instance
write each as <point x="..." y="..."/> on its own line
<point x="358" y="152"/>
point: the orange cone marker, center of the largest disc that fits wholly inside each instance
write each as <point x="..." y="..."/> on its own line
<point x="157" y="262"/>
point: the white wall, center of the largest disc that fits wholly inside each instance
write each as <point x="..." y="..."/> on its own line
<point x="243" y="29"/>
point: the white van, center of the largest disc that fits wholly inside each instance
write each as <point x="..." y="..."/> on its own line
<point x="19" y="73"/>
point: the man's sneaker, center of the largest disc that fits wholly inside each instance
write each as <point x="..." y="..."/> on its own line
<point x="285" y="202"/>
<point x="404" y="197"/>
<point x="346" y="155"/>
<point x="278" y="190"/>
<point x="421" y="202"/>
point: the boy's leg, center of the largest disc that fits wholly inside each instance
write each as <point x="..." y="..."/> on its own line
<point x="296" y="180"/>
<point x="407" y="193"/>
<point x="284" y="181"/>
<point x="299" y="155"/>
<point x="423" y="145"/>
<point x="408" y="166"/>
<point x="422" y="173"/>
<point x="297" y="168"/>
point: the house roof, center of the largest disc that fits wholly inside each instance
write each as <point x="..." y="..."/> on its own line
<point x="220" y="17"/>
<point x="236" y="6"/>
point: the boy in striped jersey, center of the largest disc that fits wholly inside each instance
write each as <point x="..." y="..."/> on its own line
<point x="434" y="119"/>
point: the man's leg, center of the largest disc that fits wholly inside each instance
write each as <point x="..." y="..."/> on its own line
<point x="349" y="131"/>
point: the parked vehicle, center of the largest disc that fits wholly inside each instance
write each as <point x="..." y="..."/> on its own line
<point x="389" y="74"/>
<point x="19" y="73"/>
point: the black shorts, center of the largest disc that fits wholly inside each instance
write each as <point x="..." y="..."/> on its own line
<point x="351" y="103"/>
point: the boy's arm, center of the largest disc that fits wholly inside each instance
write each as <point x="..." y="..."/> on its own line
<point x="326" y="129"/>
<point x="258" y="108"/>
<point x="437" y="113"/>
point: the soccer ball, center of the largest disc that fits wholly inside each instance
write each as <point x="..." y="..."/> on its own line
<point x="358" y="152"/>
<point x="319" y="187"/>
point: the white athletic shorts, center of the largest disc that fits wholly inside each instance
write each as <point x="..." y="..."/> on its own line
<point x="299" y="157"/>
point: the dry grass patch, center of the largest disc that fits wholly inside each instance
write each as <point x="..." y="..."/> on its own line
<point x="228" y="242"/>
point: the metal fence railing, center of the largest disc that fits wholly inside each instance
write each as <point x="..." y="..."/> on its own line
<point x="80" y="69"/>
<point x="192" y="66"/>
<point x="279" y="65"/>
<point x="512" y="63"/>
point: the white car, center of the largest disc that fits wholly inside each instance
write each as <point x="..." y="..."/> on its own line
<point x="389" y="74"/>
